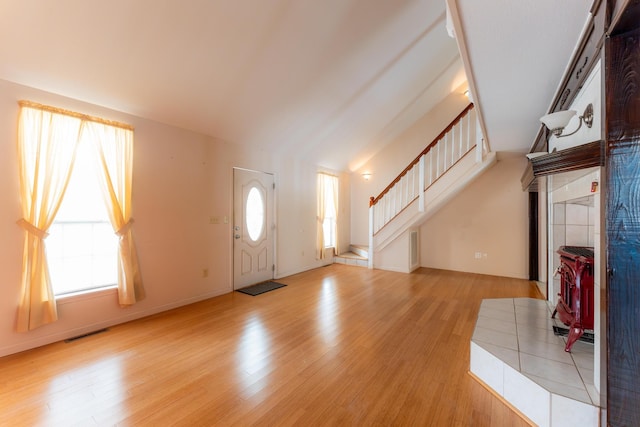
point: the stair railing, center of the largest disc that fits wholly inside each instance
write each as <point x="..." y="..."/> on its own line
<point x="461" y="136"/>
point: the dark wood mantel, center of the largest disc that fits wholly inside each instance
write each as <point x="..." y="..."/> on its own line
<point x="571" y="159"/>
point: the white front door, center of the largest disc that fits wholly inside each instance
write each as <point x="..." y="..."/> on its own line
<point x="253" y="227"/>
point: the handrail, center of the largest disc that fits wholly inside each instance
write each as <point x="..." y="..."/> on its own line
<point x="374" y="200"/>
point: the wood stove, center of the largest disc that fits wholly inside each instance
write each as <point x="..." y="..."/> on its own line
<point x="575" y="305"/>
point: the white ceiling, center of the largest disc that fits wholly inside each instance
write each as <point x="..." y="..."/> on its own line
<point x="518" y="53"/>
<point x="329" y="81"/>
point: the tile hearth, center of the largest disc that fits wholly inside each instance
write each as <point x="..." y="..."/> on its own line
<point x="515" y="352"/>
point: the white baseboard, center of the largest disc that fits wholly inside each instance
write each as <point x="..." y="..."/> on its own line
<point x="70" y="333"/>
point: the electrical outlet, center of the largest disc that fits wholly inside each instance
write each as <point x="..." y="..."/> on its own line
<point x="478" y="255"/>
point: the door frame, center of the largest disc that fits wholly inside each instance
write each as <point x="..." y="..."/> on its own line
<point x="232" y="218"/>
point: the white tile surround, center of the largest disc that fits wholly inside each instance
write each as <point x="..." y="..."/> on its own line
<point x="515" y="352"/>
<point x="572" y="225"/>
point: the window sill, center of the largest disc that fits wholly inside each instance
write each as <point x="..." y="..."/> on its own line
<point x="88" y="294"/>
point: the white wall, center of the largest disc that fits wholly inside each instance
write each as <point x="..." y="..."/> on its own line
<point x="181" y="179"/>
<point x="392" y="160"/>
<point x="489" y="217"/>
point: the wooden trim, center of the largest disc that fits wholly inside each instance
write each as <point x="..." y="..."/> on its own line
<point x="455" y="121"/>
<point x="571" y="159"/>
<point x="528" y="180"/>
<point x="625" y="17"/>
<point x="595" y="6"/>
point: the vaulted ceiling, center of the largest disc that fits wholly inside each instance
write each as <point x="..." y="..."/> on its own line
<point x="329" y="81"/>
<point x="517" y="53"/>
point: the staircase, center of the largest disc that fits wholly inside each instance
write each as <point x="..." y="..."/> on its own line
<point x="444" y="168"/>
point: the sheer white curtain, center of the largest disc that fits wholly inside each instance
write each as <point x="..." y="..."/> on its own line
<point x="320" y="216"/>
<point x="47" y="141"/>
<point x="327" y="188"/>
<point x="114" y="148"/>
<point x="47" y="144"/>
<point x="334" y="193"/>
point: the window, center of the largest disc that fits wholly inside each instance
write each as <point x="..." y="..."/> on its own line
<point x="255" y="214"/>
<point x="82" y="248"/>
<point x="327" y="212"/>
<point x="58" y="199"/>
<point x="330" y="214"/>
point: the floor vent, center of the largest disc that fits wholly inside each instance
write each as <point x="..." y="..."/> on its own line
<point x="88" y="334"/>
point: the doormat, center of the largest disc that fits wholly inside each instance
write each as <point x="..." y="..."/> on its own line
<point x="261" y="288"/>
<point x="586" y="337"/>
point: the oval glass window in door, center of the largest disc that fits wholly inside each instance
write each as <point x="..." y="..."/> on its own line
<point x="254" y="214"/>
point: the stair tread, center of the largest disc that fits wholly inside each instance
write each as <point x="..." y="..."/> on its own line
<point x="351" y="255"/>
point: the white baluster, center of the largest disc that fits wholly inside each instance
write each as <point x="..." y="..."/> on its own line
<point x="401" y="188"/>
<point x="394" y="201"/>
<point x="461" y="138"/>
<point x="411" y="186"/>
<point x="421" y="180"/>
<point x="387" y="208"/>
<point x="371" y="231"/>
<point x="469" y="123"/>
<point x="479" y="143"/>
<point x="447" y="144"/>
<point x="438" y="160"/>
<point x="454" y="144"/>
<point x="432" y="167"/>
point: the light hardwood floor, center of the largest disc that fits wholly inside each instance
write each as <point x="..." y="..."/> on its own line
<point x="339" y="345"/>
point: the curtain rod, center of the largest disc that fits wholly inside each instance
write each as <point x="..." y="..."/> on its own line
<point x="35" y="105"/>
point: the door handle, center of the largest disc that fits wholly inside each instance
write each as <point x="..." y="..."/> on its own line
<point x="237" y="236"/>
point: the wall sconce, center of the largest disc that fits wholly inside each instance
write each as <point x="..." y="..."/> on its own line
<point x="556" y="122"/>
<point x="367" y="176"/>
